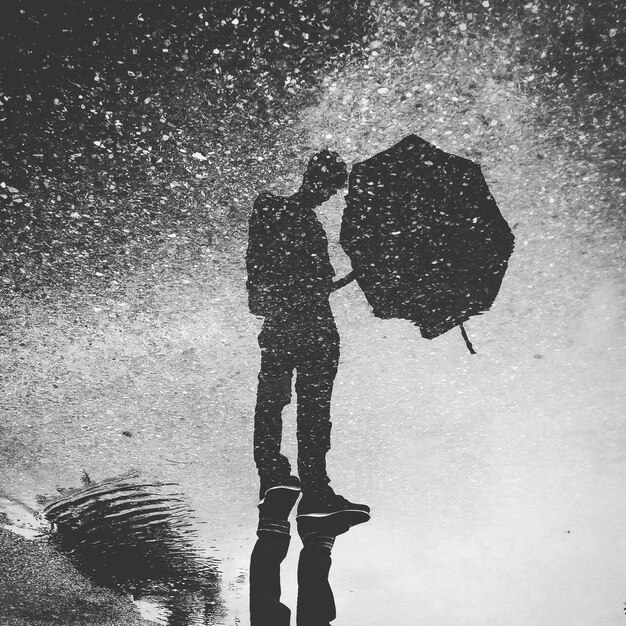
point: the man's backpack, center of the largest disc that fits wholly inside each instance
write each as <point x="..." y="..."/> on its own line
<point x="266" y="282"/>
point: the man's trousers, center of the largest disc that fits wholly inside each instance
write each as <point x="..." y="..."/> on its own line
<point x="310" y="347"/>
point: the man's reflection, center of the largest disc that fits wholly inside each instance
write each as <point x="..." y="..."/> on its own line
<point x="290" y="278"/>
<point x="316" y="604"/>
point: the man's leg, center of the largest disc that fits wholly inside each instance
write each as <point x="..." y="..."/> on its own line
<point x="320" y="508"/>
<point x="273" y="394"/>
<point x="316" y="604"/>
<point x="269" y="552"/>
<point x="267" y="556"/>
<point x="316" y="366"/>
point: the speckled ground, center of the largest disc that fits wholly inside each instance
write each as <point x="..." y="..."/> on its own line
<point x="495" y="480"/>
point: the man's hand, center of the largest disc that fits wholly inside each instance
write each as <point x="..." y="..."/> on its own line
<point x="342" y="282"/>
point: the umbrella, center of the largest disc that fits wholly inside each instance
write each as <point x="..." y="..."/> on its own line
<point x="425" y="236"/>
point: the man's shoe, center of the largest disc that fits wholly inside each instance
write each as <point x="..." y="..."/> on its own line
<point x="278" y="500"/>
<point x="328" y="513"/>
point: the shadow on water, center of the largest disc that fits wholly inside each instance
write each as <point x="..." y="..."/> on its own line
<point x="139" y="538"/>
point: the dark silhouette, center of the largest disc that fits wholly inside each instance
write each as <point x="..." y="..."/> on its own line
<point x="269" y="552"/>
<point x="316" y="603"/>
<point x="290" y="278"/>
<point x="425" y="236"/>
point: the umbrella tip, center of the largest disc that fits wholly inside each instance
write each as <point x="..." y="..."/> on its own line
<point x="468" y="343"/>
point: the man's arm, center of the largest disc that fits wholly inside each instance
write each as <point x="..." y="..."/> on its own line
<point x="342" y="282"/>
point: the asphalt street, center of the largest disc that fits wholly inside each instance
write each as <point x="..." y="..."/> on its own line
<point x="495" y="480"/>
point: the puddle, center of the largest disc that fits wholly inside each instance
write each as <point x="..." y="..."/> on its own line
<point x="140" y="538"/>
<point x="19" y="519"/>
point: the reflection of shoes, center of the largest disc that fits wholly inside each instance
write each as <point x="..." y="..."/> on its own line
<point x="320" y="542"/>
<point x="328" y="513"/>
<point x="278" y="500"/>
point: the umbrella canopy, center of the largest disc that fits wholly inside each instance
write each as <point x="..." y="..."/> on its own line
<point x="425" y="236"/>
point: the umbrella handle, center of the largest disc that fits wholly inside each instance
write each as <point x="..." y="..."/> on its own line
<point x="468" y="343"/>
<point x="342" y="282"/>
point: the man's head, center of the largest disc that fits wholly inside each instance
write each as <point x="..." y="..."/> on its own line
<point x="325" y="174"/>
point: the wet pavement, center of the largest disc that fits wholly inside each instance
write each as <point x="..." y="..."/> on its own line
<point x="495" y="480"/>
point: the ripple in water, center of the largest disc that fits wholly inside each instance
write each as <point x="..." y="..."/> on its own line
<point x="139" y="538"/>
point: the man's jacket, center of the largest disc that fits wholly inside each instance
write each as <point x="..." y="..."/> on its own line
<point x="289" y="270"/>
